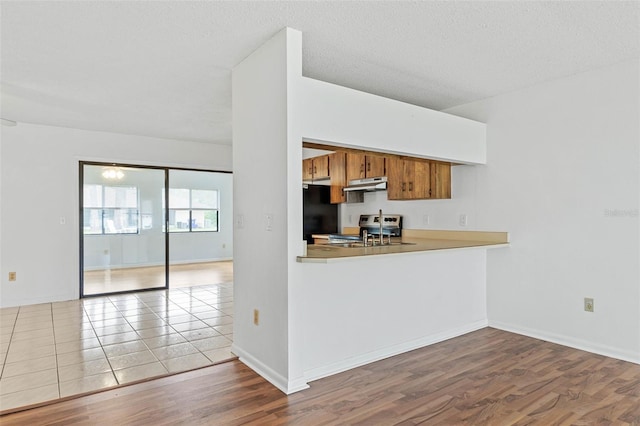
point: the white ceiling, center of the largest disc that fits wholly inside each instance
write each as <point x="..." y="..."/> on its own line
<point x="164" y="68"/>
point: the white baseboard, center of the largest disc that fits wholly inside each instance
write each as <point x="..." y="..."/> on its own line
<point x="357" y="361"/>
<point x="269" y="374"/>
<point x="568" y="341"/>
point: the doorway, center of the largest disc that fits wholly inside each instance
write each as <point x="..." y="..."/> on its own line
<point x="145" y="228"/>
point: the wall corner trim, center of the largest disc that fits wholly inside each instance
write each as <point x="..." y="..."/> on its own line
<point x="273" y="377"/>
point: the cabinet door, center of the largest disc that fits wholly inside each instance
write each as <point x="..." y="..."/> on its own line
<point x="440" y="180"/>
<point x="374" y="166"/>
<point x="408" y="181"/>
<point x="355" y="166"/>
<point x="420" y="181"/>
<point x="307" y="169"/>
<point x="321" y="167"/>
<point x="337" y="163"/>
<point x="396" y="185"/>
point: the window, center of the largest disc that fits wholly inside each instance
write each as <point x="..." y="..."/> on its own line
<point x="110" y="210"/>
<point x="193" y="210"/>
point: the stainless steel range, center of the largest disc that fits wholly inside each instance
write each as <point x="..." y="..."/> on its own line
<point x="372" y="226"/>
<point x="391" y="224"/>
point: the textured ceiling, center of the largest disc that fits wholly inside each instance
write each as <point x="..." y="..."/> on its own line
<point x="164" y="68"/>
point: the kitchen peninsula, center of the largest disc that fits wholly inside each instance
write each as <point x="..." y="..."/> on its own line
<point x="413" y="241"/>
<point x="363" y="304"/>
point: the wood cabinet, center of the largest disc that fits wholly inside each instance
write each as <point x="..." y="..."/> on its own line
<point x="416" y="179"/>
<point x="307" y="169"/>
<point x="375" y="166"/>
<point x="361" y="165"/>
<point x="440" y="180"/>
<point x="315" y="168"/>
<point x="408" y="178"/>
<point x="338" y="173"/>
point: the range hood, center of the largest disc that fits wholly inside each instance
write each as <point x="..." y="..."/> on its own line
<point x="367" y="184"/>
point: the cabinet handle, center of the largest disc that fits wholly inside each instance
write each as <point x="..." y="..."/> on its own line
<point x="369" y="166"/>
<point x="315" y="170"/>
<point x="410" y="186"/>
<point x="404" y="186"/>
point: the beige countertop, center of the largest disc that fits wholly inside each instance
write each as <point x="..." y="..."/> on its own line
<point x="420" y="241"/>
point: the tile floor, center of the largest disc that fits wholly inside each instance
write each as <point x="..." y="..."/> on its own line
<point x="54" y="350"/>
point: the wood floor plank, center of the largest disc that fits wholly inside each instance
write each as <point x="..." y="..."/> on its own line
<point x="488" y="377"/>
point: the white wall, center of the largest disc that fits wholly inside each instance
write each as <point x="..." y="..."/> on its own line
<point x="357" y="119"/>
<point x="262" y="122"/>
<point x="425" y="214"/>
<point x="39" y="178"/>
<point x="563" y="177"/>
<point x="361" y="310"/>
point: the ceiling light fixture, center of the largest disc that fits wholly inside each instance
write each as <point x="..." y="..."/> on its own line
<point x="112" y="173"/>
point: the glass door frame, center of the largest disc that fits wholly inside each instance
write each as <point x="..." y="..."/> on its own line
<point x="166" y="170"/>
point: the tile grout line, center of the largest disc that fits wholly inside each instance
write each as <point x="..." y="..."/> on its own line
<point x="13" y="329"/>
<point x="55" y="350"/>
<point x="142" y="338"/>
<point x="100" y="341"/>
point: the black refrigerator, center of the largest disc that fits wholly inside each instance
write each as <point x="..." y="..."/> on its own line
<point x="319" y="216"/>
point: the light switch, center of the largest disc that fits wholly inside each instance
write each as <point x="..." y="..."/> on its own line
<point x="239" y="221"/>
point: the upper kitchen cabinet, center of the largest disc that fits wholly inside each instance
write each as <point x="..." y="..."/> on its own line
<point x="408" y="179"/>
<point x="338" y="172"/>
<point x="417" y="179"/>
<point x="361" y="165"/>
<point x="440" y="180"/>
<point x="315" y="168"/>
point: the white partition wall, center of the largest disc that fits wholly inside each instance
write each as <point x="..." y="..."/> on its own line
<point x="267" y="208"/>
<point x="274" y="109"/>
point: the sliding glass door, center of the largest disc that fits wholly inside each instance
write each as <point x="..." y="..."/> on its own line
<point x="148" y="227"/>
<point x="124" y="244"/>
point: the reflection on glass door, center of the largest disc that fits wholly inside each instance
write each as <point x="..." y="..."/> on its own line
<point x="200" y="228"/>
<point x="123" y="236"/>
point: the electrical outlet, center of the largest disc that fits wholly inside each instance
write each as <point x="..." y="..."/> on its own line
<point x="256" y="317"/>
<point x="268" y="219"/>
<point x="463" y="219"/>
<point x="224" y="245"/>
<point x="12" y="276"/>
<point x="588" y="304"/>
<point x="426" y="219"/>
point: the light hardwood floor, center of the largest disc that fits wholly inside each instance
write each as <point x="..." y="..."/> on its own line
<point x="488" y="377"/>
<point x="183" y="275"/>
